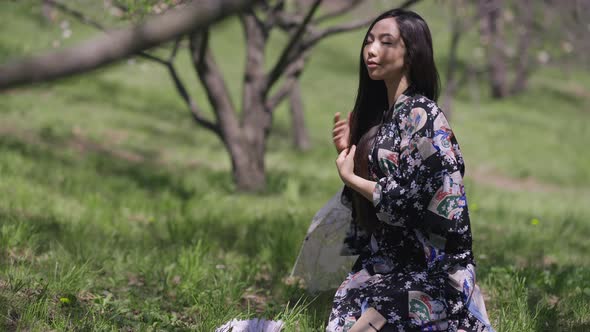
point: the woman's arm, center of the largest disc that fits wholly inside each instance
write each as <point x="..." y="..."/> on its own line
<point x="428" y="187"/>
<point x="345" y="164"/>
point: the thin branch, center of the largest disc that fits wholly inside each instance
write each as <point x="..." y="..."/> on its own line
<point x="253" y="14"/>
<point x="345" y="27"/>
<point x="280" y="5"/>
<point x="196" y="112"/>
<point x="174" y="49"/>
<point x="408" y="3"/>
<point x="180" y="87"/>
<point x="338" y="11"/>
<point x="273" y="13"/>
<point x="292" y="73"/>
<point x="282" y="93"/>
<point x="214" y="84"/>
<point x="282" y="62"/>
<point x="109" y="48"/>
<point x="77" y="14"/>
<point x="319" y="35"/>
<point x="80" y="16"/>
<point x="154" y="58"/>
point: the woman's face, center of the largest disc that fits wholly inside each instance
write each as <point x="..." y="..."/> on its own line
<point x="384" y="50"/>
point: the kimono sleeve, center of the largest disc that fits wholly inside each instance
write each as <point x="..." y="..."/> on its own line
<point x="427" y="187"/>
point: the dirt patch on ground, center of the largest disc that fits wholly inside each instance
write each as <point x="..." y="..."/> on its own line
<point x="493" y="178"/>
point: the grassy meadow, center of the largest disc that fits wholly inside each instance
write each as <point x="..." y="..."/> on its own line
<point x="118" y="213"/>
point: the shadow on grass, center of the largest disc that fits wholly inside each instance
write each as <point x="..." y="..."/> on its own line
<point x="275" y="242"/>
<point x="245" y="234"/>
<point x="150" y="176"/>
<point x="124" y="98"/>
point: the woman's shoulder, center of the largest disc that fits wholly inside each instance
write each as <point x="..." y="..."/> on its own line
<point x="420" y="101"/>
<point x="421" y="113"/>
<point x="418" y="105"/>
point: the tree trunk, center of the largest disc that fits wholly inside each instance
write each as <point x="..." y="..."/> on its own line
<point x="451" y="85"/>
<point x="524" y="43"/>
<point x="247" y="165"/>
<point x="248" y="159"/>
<point x="248" y="153"/>
<point x="301" y="137"/>
<point x="491" y="33"/>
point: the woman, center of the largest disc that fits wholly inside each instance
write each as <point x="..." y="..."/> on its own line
<point x="403" y="171"/>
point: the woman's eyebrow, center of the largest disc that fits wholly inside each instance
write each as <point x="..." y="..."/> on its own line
<point x="385" y="34"/>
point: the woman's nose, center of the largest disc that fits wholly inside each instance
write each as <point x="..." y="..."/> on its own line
<point x="372" y="50"/>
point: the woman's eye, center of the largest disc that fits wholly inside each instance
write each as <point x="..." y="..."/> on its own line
<point x="387" y="43"/>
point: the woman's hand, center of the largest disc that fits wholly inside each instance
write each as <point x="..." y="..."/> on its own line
<point x="341" y="132"/>
<point x="345" y="164"/>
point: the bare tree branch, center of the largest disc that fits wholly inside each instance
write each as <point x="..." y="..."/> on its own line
<point x="282" y="62"/>
<point x="273" y="13"/>
<point x="180" y="86"/>
<point x="153" y="58"/>
<point x="288" y="21"/>
<point x="175" y="49"/>
<point x="315" y="37"/>
<point x="292" y="73"/>
<point x="117" y="45"/>
<point x="282" y="93"/>
<point x="196" y="112"/>
<point x="319" y="35"/>
<point x="89" y="21"/>
<point x="338" y="11"/>
<point x="77" y="14"/>
<point x="408" y="3"/>
<point x="214" y="85"/>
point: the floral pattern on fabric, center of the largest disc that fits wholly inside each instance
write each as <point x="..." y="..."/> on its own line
<point x="416" y="268"/>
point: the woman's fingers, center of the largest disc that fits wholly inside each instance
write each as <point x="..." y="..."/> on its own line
<point x="341" y="124"/>
<point x="350" y="154"/>
<point x="346" y="154"/>
<point x="341" y="156"/>
<point x="336" y="117"/>
<point x="340" y="132"/>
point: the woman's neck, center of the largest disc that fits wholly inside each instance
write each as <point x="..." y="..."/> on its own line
<point x="395" y="87"/>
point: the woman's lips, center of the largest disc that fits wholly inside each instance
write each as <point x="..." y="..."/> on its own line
<point x="371" y="64"/>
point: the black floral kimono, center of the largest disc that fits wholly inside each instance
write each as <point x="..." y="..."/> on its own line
<point x="416" y="268"/>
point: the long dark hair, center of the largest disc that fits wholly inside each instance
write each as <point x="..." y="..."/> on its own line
<point x="371" y="99"/>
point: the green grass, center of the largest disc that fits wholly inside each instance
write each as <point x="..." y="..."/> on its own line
<point x="118" y="213"/>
